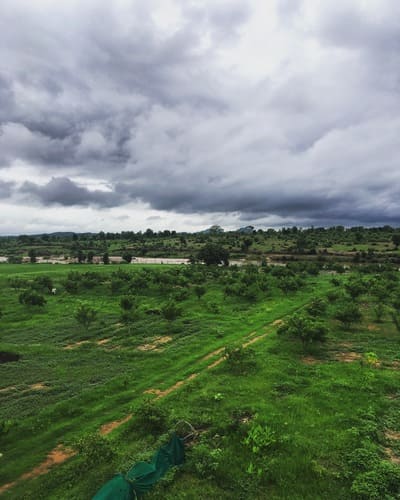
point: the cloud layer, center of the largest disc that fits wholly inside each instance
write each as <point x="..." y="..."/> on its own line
<point x="189" y="112"/>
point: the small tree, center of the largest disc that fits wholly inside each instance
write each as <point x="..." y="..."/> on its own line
<point x="170" y="311"/>
<point x="127" y="256"/>
<point x="304" y="328"/>
<point x="199" y="290"/>
<point x="31" y="298"/>
<point x="90" y="256"/>
<point x="212" y="254"/>
<point x="85" y="315"/>
<point x="129" y="311"/>
<point x="396" y="240"/>
<point x="348" y="313"/>
<point x="32" y="255"/>
<point x="106" y="258"/>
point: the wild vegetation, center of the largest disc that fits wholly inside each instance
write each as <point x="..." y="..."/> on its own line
<point x="289" y="374"/>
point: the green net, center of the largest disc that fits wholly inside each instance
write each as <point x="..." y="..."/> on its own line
<point x="144" y="475"/>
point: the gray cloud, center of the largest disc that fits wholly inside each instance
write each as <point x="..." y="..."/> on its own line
<point x="175" y="116"/>
<point x="63" y="191"/>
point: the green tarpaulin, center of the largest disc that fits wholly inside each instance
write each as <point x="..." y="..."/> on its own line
<point x="143" y="475"/>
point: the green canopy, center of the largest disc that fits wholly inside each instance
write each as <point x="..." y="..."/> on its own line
<point x="142" y="476"/>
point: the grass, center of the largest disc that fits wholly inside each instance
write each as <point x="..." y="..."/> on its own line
<point x="316" y="413"/>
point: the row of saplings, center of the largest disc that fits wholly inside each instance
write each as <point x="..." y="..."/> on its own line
<point x="309" y="325"/>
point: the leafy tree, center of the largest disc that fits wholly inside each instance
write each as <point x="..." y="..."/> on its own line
<point x="106" y="258"/>
<point x="356" y="287"/>
<point x="81" y="257"/>
<point x="90" y="256"/>
<point x="348" y="313"/>
<point x="31" y="298"/>
<point x="199" y="290"/>
<point x="304" y="328"/>
<point x="213" y="254"/>
<point x="17" y="283"/>
<point x="317" y="307"/>
<point x="129" y="311"/>
<point x="85" y="315"/>
<point x="170" y="311"/>
<point x="43" y="283"/>
<point x="396" y="240"/>
<point x="127" y="256"/>
<point x="32" y="255"/>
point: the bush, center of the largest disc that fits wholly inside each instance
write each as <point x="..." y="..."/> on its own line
<point x="239" y="360"/>
<point x="206" y="460"/>
<point x="150" y="418"/>
<point x="383" y="481"/>
<point x="304" y="328"/>
<point x="94" y="449"/>
<point x="31" y="298"/>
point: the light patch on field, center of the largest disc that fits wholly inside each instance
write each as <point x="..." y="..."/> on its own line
<point x="153" y="346"/>
<point x="392" y="435"/>
<point x="212" y="354"/>
<point x="161" y="394"/>
<point x="56" y="456"/>
<point x="392" y="456"/>
<point x="347" y="357"/>
<point x="76" y="344"/>
<point x="107" y="428"/>
<point x="39" y="386"/>
<point x="8" y="389"/>
<point x="103" y="341"/>
<point x="310" y="360"/>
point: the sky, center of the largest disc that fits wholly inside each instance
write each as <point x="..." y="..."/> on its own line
<point x="181" y="114"/>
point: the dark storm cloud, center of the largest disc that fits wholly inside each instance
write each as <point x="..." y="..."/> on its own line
<point x="174" y="116"/>
<point x="63" y="191"/>
<point x="5" y="189"/>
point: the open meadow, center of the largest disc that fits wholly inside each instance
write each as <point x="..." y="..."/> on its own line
<point x="289" y="375"/>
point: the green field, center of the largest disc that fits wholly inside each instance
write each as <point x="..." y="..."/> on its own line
<point x="282" y="421"/>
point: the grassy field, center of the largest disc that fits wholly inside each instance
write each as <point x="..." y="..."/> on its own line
<point x="283" y="421"/>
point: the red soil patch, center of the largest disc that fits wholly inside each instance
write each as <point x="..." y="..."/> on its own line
<point x="76" y="344"/>
<point x="107" y="428"/>
<point x="56" y="457"/>
<point x="162" y="394"/>
<point x="348" y="357"/>
<point x="277" y="322"/>
<point x="155" y="344"/>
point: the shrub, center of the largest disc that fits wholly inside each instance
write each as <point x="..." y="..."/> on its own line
<point x="170" y="311"/>
<point x="304" y="328"/>
<point x="32" y="298"/>
<point x="348" y="313"/>
<point x="94" y="449"/>
<point x="150" y="418"/>
<point x="85" y="315"/>
<point x="383" y="481"/>
<point x="238" y="359"/>
<point x="206" y="460"/>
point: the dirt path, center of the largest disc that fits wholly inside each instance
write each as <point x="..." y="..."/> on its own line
<point x="60" y="454"/>
<point x="107" y="428"/>
<point x="56" y="456"/>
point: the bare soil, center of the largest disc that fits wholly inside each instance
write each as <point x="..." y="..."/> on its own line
<point x="159" y="341"/>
